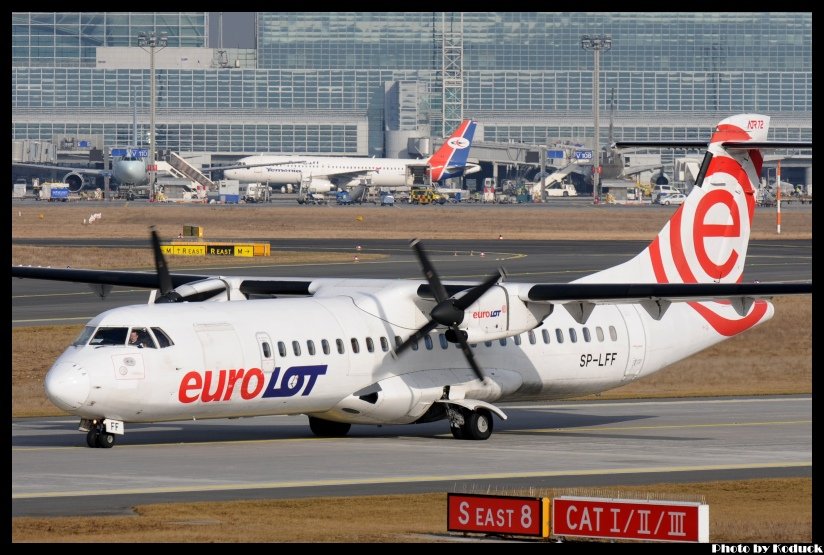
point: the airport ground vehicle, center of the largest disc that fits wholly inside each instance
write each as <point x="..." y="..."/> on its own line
<point x="344" y="198"/>
<point x="660" y="190"/>
<point x="54" y="191"/>
<point x="560" y="189"/>
<point x="426" y="196"/>
<point x="673" y="198"/>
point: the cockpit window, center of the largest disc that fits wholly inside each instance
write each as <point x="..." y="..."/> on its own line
<point x="162" y="339"/>
<point x="84" y="336"/>
<point x="109" y="336"/>
<point x="140" y="338"/>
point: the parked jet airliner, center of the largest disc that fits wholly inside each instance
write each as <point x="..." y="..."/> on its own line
<point x="396" y="351"/>
<point x="328" y="172"/>
<point x="129" y="169"/>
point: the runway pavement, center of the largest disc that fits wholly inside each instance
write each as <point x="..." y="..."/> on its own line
<point x="541" y="445"/>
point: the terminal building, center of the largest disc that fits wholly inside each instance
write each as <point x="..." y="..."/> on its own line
<point x="395" y="83"/>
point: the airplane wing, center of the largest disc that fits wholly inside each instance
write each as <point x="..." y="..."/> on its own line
<point x="626" y="293"/>
<point x="101" y="277"/>
<point x="614" y="293"/>
<point x="74" y="169"/>
<point x="190" y="285"/>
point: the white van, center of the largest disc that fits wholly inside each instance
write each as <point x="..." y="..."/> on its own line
<point x="660" y="190"/>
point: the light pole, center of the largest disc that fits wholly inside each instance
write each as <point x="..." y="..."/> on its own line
<point x="596" y="43"/>
<point x="152" y="41"/>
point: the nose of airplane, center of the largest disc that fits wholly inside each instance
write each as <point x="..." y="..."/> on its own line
<point x="67" y="385"/>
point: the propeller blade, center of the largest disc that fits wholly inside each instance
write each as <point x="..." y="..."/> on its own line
<point x="470" y="356"/>
<point x="429" y="272"/>
<point x="163" y="277"/>
<point x="432" y="324"/>
<point x="476" y="292"/>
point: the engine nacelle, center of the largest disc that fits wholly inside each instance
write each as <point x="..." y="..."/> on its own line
<point x="501" y="313"/>
<point x="320" y="186"/>
<point x="75" y="182"/>
<point x="211" y="289"/>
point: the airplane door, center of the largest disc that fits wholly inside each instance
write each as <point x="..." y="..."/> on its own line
<point x="636" y="340"/>
<point x="267" y="352"/>
<point x="221" y="346"/>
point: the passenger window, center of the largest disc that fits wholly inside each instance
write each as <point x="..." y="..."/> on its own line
<point x="559" y="335"/>
<point x="398" y="341"/>
<point x="310" y="346"/>
<point x="587" y="336"/>
<point x="355" y="345"/>
<point x="370" y="345"/>
<point x="415" y="345"/>
<point x="517" y="339"/>
<point x="502" y="341"/>
<point x="599" y="333"/>
<point x="427" y="341"/>
<point x="339" y="343"/>
<point x="488" y="343"/>
<point x="384" y="344"/>
<point x="162" y="339"/>
<point x="531" y="335"/>
<point x="282" y="348"/>
<point x="267" y="350"/>
<point x="545" y="335"/>
<point x="573" y="335"/>
<point x="444" y="342"/>
<point x="296" y="348"/>
<point x="324" y="344"/>
<point x="613" y="334"/>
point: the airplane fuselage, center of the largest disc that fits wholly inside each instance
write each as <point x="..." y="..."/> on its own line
<point x="325" y="172"/>
<point x="334" y="361"/>
<point x="382" y="172"/>
<point x="129" y="171"/>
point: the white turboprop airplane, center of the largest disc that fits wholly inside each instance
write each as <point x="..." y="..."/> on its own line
<point x="396" y="351"/>
<point x="328" y="172"/>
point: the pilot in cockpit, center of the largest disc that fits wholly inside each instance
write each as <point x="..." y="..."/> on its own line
<point x="134" y="339"/>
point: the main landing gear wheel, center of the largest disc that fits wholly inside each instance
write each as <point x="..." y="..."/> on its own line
<point x="477" y="425"/>
<point x="471" y="424"/>
<point x="327" y="428"/>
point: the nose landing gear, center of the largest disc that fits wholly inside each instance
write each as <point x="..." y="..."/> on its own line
<point x="97" y="436"/>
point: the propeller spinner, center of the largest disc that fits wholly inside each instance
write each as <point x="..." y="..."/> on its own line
<point x="449" y="311"/>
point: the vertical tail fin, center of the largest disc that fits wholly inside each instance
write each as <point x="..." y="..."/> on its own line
<point x="450" y="159"/>
<point x="706" y="239"/>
